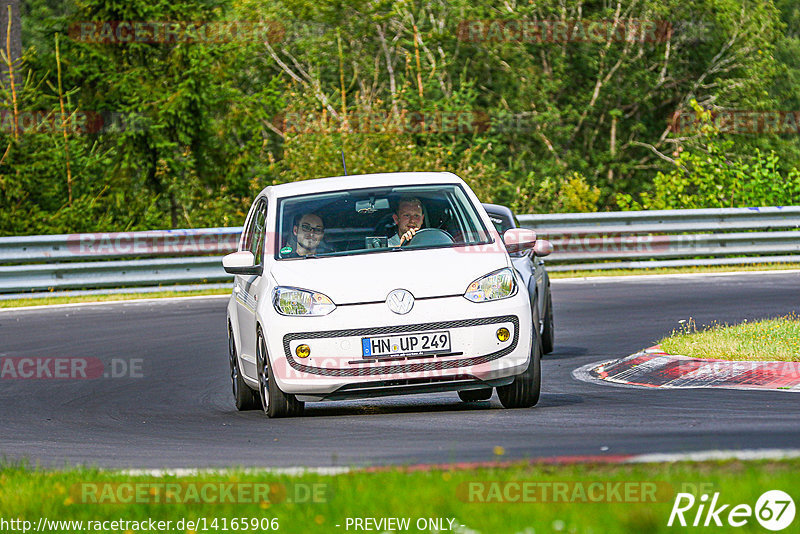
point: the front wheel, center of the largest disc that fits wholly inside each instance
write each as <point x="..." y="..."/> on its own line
<point x="524" y="391"/>
<point x="275" y="402"/>
<point x="244" y="397"/>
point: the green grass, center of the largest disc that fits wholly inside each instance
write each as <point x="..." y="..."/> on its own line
<point x="775" y="339"/>
<point x="677" y="270"/>
<point x="313" y="503"/>
<point x="46" y="301"/>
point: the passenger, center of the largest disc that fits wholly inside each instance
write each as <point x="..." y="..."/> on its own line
<point x="408" y="218"/>
<point x="308" y="232"/>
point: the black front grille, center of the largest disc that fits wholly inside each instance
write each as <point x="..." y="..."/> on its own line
<point x="404" y="368"/>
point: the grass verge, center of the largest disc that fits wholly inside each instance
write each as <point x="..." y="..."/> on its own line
<point x="677" y="270"/>
<point x="523" y="498"/>
<point x="47" y="301"/>
<point x="775" y="339"/>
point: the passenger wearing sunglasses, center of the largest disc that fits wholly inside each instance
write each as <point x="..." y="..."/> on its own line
<point x="308" y="232"/>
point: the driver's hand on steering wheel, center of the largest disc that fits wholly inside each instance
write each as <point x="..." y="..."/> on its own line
<point x="408" y="235"/>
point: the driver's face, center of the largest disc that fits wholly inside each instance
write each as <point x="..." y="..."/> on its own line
<point x="309" y="232"/>
<point x="409" y="215"/>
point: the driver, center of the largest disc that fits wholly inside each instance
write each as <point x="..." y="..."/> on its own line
<point x="408" y="218"/>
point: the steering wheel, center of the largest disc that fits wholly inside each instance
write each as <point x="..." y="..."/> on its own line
<point x="431" y="236"/>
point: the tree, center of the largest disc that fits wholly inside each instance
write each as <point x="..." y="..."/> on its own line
<point x="11" y="40"/>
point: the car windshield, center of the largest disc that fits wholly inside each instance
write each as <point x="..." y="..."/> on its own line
<point x="364" y="221"/>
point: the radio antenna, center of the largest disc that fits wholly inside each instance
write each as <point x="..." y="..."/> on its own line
<point x="343" y="164"/>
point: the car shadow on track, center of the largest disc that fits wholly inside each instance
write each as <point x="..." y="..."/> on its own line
<point x="565" y="352"/>
<point x="349" y="408"/>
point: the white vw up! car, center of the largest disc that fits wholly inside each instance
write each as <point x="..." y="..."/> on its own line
<point x="382" y="284"/>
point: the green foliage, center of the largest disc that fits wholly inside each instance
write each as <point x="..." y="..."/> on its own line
<point x="712" y="175"/>
<point x="567" y="194"/>
<point x="712" y="180"/>
<point x="557" y="125"/>
<point x="774" y="339"/>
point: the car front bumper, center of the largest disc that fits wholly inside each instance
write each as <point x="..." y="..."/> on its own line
<point x="336" y="367"/>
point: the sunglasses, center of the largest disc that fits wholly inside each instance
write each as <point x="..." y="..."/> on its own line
<point x="312" y="229"/>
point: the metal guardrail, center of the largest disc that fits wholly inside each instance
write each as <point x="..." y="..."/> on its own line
<point x="613" y="240"/>
<point x="107" y="245"/>
<point x="669" y="238"/>
<point x="162" y="271"/>
<point x="80" y="261"/>
<point x="666" y="221"/>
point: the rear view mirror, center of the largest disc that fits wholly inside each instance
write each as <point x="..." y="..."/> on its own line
<point x="542" y="248"/>
<point x="372" y="205"/>
<point x="517" y="239"/>
<point x="242" y="262"/>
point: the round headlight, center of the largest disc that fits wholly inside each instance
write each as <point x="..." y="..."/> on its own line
<point x="503" y="334"/>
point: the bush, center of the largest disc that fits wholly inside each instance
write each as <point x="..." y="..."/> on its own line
<point x="710" y="176"/>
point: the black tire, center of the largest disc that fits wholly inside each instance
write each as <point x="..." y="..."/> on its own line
<point x="243" y="397"/>
<point x="275" y="402"/>
<point x="474" y="395"/>
<point x="524" y="391"/>
<point x="548" y="334"/>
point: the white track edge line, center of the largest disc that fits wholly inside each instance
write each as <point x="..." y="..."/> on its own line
<point x="189" y="471"/>
<point x="110" y="302"/>
<point x="640" y="277"/>
<point x="582" y="374"/>
<point x="711" y="455"/>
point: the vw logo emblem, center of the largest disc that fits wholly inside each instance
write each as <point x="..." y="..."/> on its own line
<point x="400" y="301"/>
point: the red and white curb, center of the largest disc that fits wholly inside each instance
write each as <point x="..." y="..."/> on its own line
<point x="653" y="368"/>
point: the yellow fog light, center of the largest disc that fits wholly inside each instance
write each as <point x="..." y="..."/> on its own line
<point x="303" y="351"/>
<point x="503" y="334"/>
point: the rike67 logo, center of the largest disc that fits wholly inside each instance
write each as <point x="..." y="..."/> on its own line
<point x="774" y="510"/>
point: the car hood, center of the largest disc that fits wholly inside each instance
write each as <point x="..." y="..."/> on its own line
<point x="371" y="277"/>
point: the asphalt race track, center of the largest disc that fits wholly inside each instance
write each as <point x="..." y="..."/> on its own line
<point x="176" y="409"/>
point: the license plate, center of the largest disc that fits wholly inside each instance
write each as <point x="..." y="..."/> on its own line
<point x="405" y="344"/>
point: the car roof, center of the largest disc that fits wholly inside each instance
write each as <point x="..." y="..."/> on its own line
<point x="503" y="211"/>
<point x="359" y="181"/>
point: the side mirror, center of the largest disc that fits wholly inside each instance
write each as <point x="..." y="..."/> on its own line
<point x="542" y="248"/>
<point x="517" y="239"/>
<point x="242" y="262"/>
